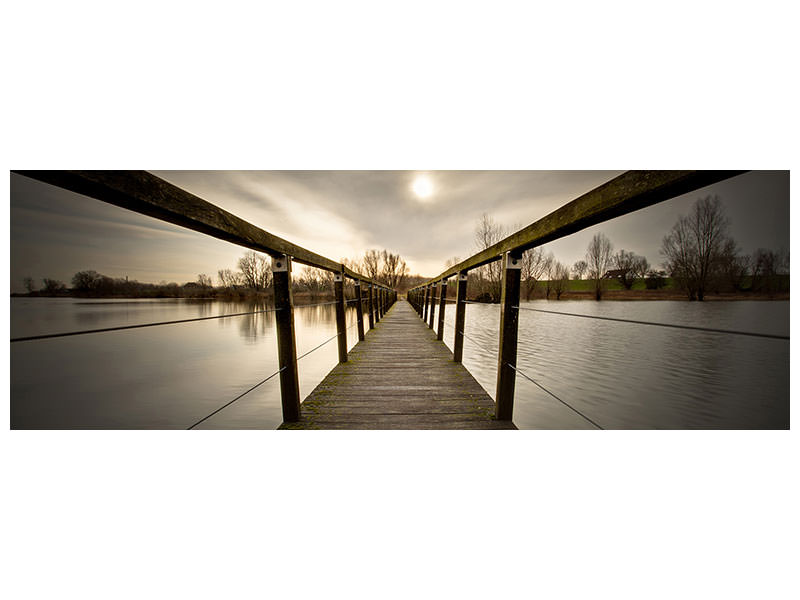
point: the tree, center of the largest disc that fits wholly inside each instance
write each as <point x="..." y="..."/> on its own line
<point x="394" y="269"/>
<point x="255" y="270"/>
<point x="629" y="267"/>
<point x="768" y="266"/>
<point x="560" y="279"/>
<point x="693" y="248"/>
<point x="579" y="268"/>
<point x="53" y="286"/>
<point x="598" y="258"/>
<point x="204" y="281"/>
<point x="534" y="266"/>
<point x="29" y="283"/>
<point x="487" y="234"/>
<point x="228" y="279"/>
<point x="372" y="264"/>
<point x="85" y="281"/>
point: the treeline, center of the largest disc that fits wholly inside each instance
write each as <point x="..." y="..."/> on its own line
<point x="699" y="257"/>
<point x="252" y="277"/>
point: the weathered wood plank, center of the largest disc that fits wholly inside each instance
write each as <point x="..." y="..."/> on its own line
<point x="399" y="377"/>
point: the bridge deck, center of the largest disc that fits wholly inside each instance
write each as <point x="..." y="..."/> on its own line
<point x="399" y="377"/>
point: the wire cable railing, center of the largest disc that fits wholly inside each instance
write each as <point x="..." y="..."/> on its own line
<point x="672" y="325"/>
<point x="138" y="326"/>
<point x="544" y="389"/>
<point x="243" y="394"/>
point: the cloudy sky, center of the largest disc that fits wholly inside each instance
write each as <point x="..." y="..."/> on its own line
<point x="426" y="217"/>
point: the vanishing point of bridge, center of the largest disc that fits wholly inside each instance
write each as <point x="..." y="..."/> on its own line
<point x="400" y="375"/>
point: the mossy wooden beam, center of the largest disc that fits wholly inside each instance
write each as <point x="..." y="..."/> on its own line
<point x="629" y="192"/>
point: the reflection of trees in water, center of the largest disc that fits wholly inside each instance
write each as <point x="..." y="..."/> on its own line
<point x="312" y="316"/>
<point x="120" y="313"/>
<point x="250" y="326"/>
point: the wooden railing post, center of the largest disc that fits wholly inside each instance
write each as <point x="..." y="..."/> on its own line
<point x="341" y="322"/>
<point x="425" y="305"/>
<point x="369" y="307"/>
<point x="377" y="304"/>
<point x="442" y="301"/>
<point x="431" y="311"/>
<point x="284" y="328"/>
<point x="359" y="311"/>
<point x="461" y="311"/>
<point x="507" y="349"/>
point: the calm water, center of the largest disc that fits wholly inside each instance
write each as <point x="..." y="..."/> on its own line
<point x="630" y="376"/>
<point x="621" y="375"/>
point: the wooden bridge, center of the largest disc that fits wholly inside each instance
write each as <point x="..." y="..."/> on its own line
<point x="400" y="377"/>
<point x="400" y="374"/>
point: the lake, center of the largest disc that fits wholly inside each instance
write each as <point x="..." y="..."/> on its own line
<point x="621" y="375"/>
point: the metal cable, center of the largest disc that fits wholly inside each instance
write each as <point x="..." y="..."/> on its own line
<point x="708" y="329"/>
<point x="105" y="329"/>
<point x="544" y="389"/>
<point x="478" y="344"/>
<point x="316" y="347"/>
<point x="237" y="397"/>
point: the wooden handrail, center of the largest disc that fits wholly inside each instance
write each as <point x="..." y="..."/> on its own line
<point x="150" y="195"/>
<point x="624" y="194"/>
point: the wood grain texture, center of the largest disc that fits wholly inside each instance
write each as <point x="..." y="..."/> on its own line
<point x="399" y="377"/>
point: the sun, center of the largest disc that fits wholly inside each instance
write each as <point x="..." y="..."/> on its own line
<point x="422" y="187"/>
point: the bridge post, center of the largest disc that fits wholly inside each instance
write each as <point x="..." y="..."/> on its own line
<point x="369" y="307"/>
<point x="461" y="310"/>
<point x="377" y="304"/>
<point x="341" y="323"/>
<point x="284" y="328"/>
<point x="507" y="349"/>
<point x="359" y="311"/>
<point x="424" y="314"/>
<point x="442" y="302"/>
<point x="431" y="311"/>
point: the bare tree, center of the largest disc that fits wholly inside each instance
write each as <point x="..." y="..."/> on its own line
<point x="548" y="270"/>
<point x="598" y="258"/>
<point x="487" y="233"/>
<point x="394" y="269"/>
<point x="560" y="279"/>
<point x="29" y="284"/>
<point x="579" y="268"/>
<point x="204" y="281"/>
<point x="229" y="279"/>
<point x="311" y="280"/>
<point x="372" y="264"/>
<point x="534" y="266"/>
<point x="53" y="286"/>
<point x="693" y="248"/>
<point x="629" y="267"/>
<point x="451" y="262"/>
<point x="255" y="270"/>
<point x="85" y="281"/>
<point x="768" y="266"/>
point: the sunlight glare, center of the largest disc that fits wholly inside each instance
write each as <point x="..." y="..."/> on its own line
<point x="423" y="188"/>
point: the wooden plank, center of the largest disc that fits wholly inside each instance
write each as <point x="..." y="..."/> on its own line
<point x="624" y="194"/>
<point x="147" y="194"/>
<point x="399" y="377"/>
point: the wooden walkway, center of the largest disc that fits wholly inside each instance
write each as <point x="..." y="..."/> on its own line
<point x="399" y="377"/>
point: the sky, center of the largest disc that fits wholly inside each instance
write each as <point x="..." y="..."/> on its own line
<point x="427" y="217"/>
